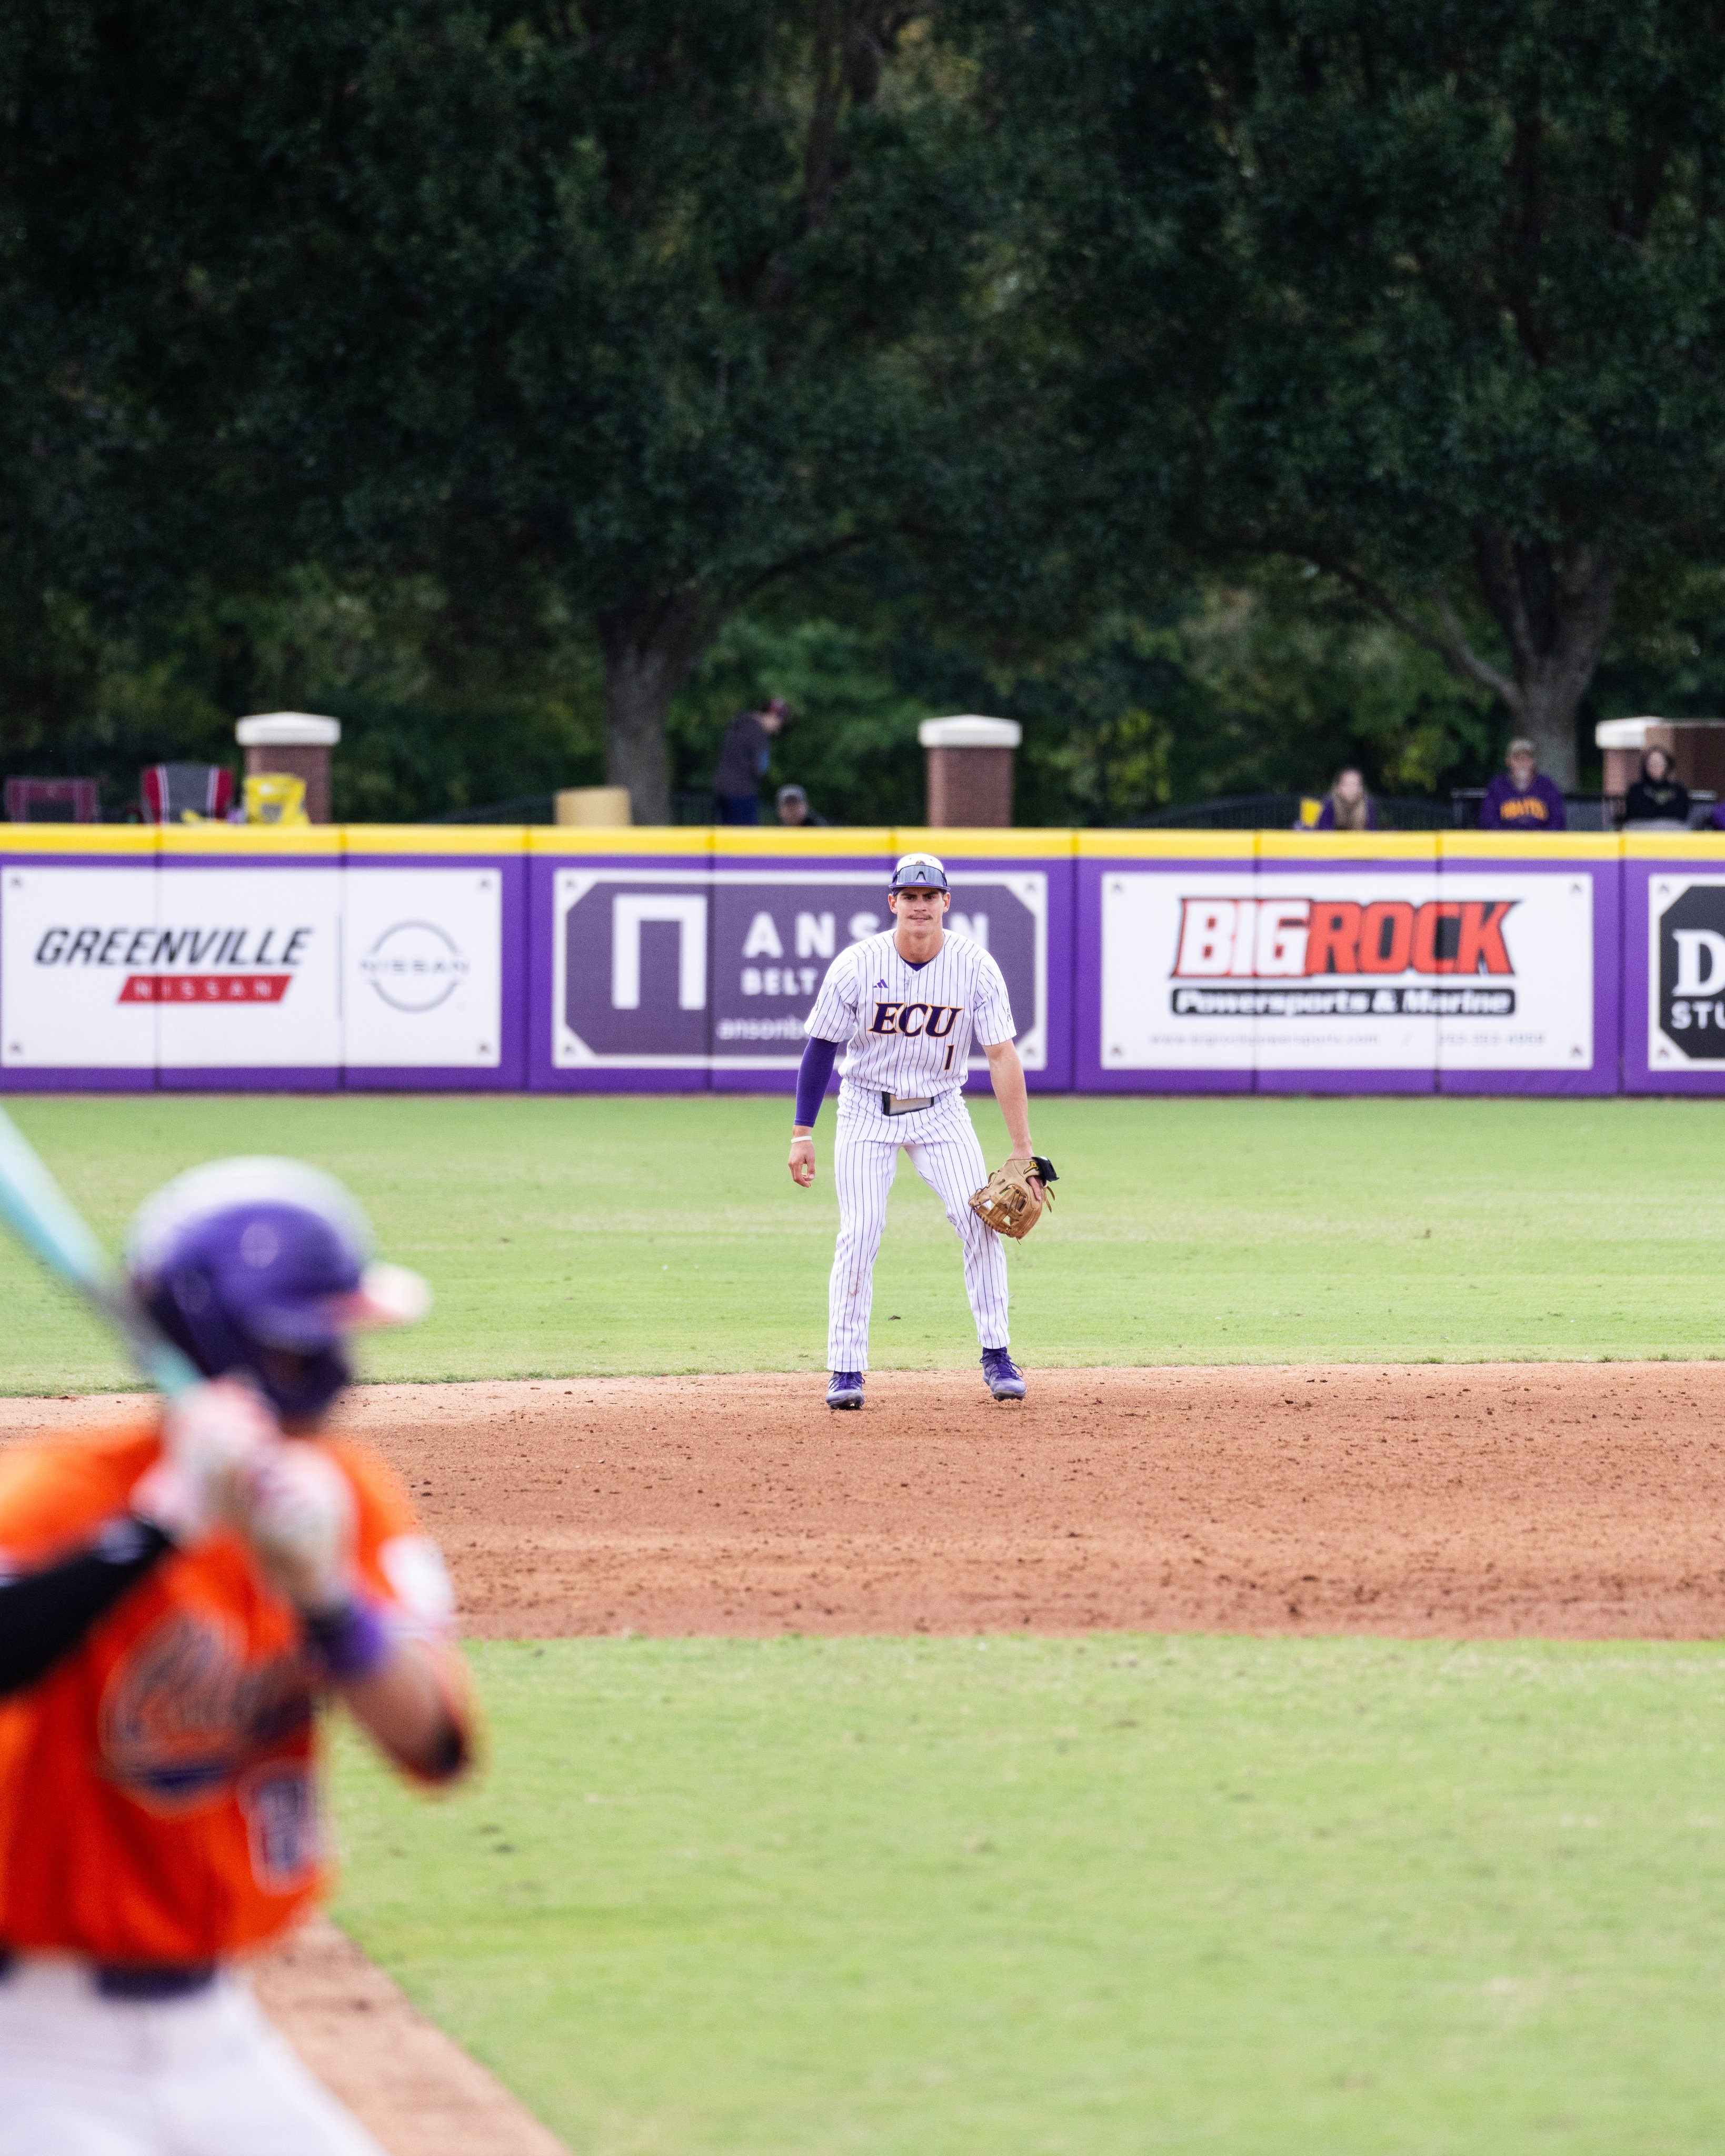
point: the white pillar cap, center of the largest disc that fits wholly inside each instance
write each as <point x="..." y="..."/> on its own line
<point x="1623" y="733"/>
<point x="970" y="733"/>
<point x="287" y="730"/>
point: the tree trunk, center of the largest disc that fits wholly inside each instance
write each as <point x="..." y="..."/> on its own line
<point x="1553" y="604"/>
<point x="648" y="650"/>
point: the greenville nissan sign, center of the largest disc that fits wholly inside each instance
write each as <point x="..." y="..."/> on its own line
<point x="259" y="966"/>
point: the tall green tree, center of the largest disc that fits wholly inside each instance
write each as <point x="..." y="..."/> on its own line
<point x="1431" y="297"/>
<point x="611" y="318"/>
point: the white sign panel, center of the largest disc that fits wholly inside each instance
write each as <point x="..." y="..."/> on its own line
<point x="256" y="967"/>
<point x="74" y="944"/>
<point x="1317" y="969"/>
<point x="246" y="969"/>
<point x="422" y="978"/>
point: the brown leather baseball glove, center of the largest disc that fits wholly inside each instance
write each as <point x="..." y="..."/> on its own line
<point x="1012" y="1199"/>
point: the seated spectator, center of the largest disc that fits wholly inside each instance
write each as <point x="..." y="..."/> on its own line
<point x="1521" y="798"/>
<point x="743" y="759"/>
<point x="793" y="809"/>
<point x="1656" y="796"/>
<point x="1347" y="806"/>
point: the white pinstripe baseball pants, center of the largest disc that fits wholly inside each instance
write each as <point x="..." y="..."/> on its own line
<point x="944" y="1152"/>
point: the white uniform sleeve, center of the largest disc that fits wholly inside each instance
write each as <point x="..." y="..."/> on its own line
<point x="836" y="1015"/>
<point x="993" y="1021"/>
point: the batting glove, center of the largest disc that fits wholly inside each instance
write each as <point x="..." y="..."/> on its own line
<point x="296" y="1510"/>
<point x="210" y="1437"/>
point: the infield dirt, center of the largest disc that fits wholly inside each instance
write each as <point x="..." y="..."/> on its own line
<point x="1489" y="1500"/>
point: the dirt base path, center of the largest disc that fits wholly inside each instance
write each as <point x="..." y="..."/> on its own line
<point x="417" y="2092"/>
<point x="1572" y="1500"/>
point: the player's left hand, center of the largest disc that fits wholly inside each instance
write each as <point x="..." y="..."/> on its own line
<point x="296" y="1510"/>
<point x="802" y="1161"/>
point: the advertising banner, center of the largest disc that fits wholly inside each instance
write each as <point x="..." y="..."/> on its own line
<point x="1674" y="964"/>
<point x="672" y="968"/>
<point x="422" y="968"/>
<point x="248" y="966"/>
<point x="1331" y="972"/>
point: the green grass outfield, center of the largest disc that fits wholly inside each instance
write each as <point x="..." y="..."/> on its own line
<point x="940" y="1897"/>
<point x="595" y="1234"/>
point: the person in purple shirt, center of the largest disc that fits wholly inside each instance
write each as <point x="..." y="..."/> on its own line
<point x="1523" y="798"/>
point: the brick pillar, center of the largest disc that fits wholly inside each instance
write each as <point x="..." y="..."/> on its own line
<point x="969" y="763"/>
<point x="296" y="743"/>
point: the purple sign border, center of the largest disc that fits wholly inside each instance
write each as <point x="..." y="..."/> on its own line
<point x="1638" y="1075"/>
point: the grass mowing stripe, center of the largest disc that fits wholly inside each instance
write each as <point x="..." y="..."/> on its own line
<point x="925" y="1898"/>
<point x="587" y="1235"/>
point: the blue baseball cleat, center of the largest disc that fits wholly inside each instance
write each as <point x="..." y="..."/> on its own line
<point x="1005" y="1380"/>
<point x="846" y="1389"/>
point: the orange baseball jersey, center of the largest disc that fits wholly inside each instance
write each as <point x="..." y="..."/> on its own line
<point x="158" y="1789"/>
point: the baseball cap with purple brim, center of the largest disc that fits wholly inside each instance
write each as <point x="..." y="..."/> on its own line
<point x="919" y="872"/>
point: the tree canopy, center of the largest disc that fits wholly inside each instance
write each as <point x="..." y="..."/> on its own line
<point x="1433" y="298"/>
<point x="534" y="381"/>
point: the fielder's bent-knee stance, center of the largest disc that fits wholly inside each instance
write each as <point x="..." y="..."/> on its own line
<point x="905" y="1006"/>
<point x="177" y="1596"/>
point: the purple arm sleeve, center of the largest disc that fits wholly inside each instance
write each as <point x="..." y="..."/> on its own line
<point x="811" y="1080"/>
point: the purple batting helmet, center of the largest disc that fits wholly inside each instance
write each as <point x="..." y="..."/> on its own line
<point x="264" y="1266"/>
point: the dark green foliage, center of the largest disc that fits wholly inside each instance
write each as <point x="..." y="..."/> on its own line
<point x="1432" y="297"/>
<point x="530" y="387"/>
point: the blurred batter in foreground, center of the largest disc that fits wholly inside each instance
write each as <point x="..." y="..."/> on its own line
<point x="178" y="1597"/>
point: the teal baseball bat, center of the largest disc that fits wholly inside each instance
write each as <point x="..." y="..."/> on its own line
<point x="44" y="1220"/>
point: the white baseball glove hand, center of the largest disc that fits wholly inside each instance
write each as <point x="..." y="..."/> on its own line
<point x="210" y="1437"/>
<point x="296" y="1510"/>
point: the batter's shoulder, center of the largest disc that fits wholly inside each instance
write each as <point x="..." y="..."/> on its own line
<point x="56" y="1488"/>
<point x="385" y="1508"/>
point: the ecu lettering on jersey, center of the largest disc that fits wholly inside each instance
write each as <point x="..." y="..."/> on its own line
<point x="908" y="1021"/>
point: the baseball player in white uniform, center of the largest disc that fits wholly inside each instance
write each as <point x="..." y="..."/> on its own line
<point x="904" y="1005"/>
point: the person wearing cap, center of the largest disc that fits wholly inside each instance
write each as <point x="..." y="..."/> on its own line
<point x="179" y="1592"/>
<point x="905" y="1005"/>
<point x="1521" y="798"/>
<point x="792" y="804"/>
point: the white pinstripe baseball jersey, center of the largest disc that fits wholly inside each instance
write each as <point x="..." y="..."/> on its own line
<point x="907" y="1029"/>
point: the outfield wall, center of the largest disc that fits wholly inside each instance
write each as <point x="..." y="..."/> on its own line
<point x="389" y="956"/>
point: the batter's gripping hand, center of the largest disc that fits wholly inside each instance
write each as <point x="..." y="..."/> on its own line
<point x="296" y="1510"/>
<point x="211" y="1437"/>
<point x="1012" y="1199"/>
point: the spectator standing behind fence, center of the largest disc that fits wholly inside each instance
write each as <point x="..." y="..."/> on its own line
<point x="743" y="760"/>
<point x="795" y="812"/>
<point x="1347" y="806"/>
<point x="1657" y="797"/>
<point x="1521" y="798"/>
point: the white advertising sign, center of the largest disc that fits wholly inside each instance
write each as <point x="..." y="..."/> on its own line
<point x="422" y="980"/>
<point x="1317" y="969"/>
<point x="260" y="967"/>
